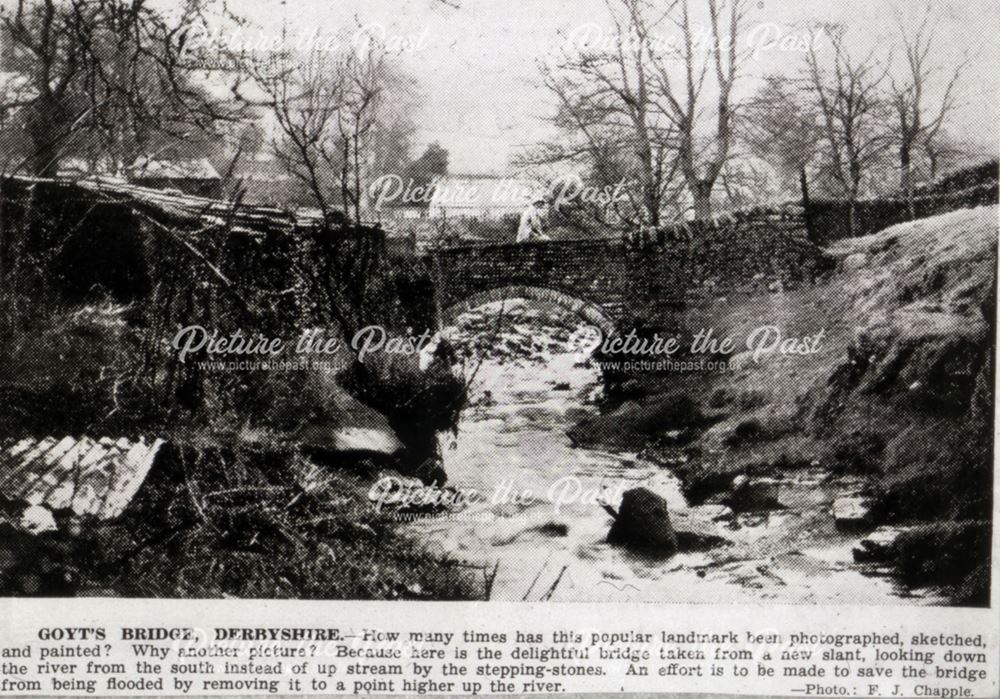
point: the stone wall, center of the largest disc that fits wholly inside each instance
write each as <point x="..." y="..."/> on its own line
<point x="738" y="255"/>
<point x="964" y="189"/>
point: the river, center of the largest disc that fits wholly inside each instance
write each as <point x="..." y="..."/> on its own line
<point x="535" y="508"/>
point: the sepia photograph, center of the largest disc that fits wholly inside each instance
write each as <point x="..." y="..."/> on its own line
<point x="660" y="301"/>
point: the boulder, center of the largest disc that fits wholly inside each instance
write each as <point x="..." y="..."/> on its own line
<point x="877" y="547"/>
<point x="696" y="528"/>
<point x="852" y="511"/>
<point x="635" y="421"/>
<point x="751" y="495"/>
<point x="643" y="522"/>
<point x="379" y="439"/>
<point x="319" y="411"/>
<point x="345" y="424"/>
<point x="689" y="541"/>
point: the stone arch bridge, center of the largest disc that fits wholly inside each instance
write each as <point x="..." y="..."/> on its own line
<point x="589" y="277"/>
<point x="616" y="285"/>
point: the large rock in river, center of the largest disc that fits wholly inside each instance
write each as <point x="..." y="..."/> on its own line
<point x="752" y="495"/>
<point x="852" y="511"/>
<point x="643" y="522"/>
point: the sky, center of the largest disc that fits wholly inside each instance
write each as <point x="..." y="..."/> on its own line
<point x="476" y="61"/>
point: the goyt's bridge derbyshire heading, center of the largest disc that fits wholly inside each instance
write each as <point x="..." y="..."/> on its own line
<point x="614" y="284"/>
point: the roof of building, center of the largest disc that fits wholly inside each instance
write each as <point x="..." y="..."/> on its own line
<point x="90" y="477"/>
<point x="174" y="169"/>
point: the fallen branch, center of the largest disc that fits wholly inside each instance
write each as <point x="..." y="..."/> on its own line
<point x="548" y="595"/>
<point x="535" y="581"/>
<point x="490" y="579"/>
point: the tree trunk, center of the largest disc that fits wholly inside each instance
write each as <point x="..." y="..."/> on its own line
<point x="932" y="158"/>
<point x="701" y="190"/>
<point x="652" y="207"/>
<point x="906" y="179"/>
<point x="43" y="126"/>
<point x="358" y="190"/>
<point x="806" y="209"/>
<point x="650" y="194"/>
<point x="44" y="160"/>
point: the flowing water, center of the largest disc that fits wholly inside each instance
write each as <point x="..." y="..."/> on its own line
<point x="535" y="509"/>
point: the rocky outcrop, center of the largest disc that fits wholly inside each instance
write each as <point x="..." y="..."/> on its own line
<point x="877" y="547"/>
<point x="671" y="417"/>
<point x="419" y="394"/>
<point x="387" y="409"/>
<point x="346" y="425"/>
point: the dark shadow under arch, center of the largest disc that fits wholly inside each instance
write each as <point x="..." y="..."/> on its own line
<point x="590" y="312"/>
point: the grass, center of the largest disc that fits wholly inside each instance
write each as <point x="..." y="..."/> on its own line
<point x="223" y="523"/>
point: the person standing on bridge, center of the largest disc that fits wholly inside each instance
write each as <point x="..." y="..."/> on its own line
<point x="532" y="226"/>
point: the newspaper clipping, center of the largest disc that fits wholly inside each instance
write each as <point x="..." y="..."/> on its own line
<point x="459" y="347"/>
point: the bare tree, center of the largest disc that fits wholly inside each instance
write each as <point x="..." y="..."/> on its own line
<point x="701" y="163"/>
<point x="334" y="128"/>
<point x="847" y="96"/>
<point x="606" y="104"/>
<point x="631" y="98"/>
<point x="919" y="122"/>
<point x="103" y="76"/>
<point x="782" y="130"/>
<point x="944" y="151"/>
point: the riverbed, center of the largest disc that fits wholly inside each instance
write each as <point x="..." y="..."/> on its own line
<point x="536" y="514"/>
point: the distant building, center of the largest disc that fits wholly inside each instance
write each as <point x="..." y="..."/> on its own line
<point x="479" y="196"/>
<point x="194" y="176"/>
<point x="14" y="87"/>
<point x="75" y="168"/>
<point x="265" y="180"/>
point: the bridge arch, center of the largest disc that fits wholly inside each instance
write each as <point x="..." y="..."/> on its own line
<point x="590" y="312"/>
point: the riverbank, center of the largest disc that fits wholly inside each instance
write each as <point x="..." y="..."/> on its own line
<point x="541" y="509"/>
<point x="293" y="532"/>
<point x="262" y="495"/>
<point x="895" y="409"/>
